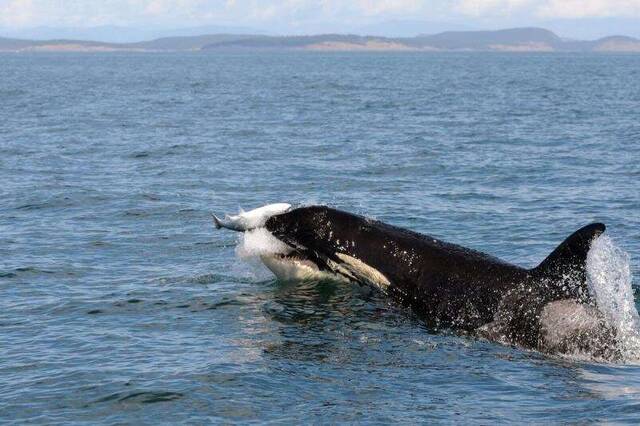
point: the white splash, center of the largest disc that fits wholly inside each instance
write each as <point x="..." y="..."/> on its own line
<point x="609" y="280"/>
<point x="249" y="249"/>
<point x="259" y="242"/>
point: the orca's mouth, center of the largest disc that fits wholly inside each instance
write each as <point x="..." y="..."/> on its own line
<point x="296" y="266"/>
<point x="293" y="256"/>
<point x="290" y="256"/>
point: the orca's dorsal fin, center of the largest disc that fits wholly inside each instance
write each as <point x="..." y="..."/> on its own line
<point x="566" y="265"/>
<point x="573" y="251"/>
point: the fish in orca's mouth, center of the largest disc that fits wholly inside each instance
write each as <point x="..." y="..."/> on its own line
<point x="246" y="221"/>
<point x="449" y="286"/>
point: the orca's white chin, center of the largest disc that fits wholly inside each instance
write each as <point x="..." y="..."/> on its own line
<point x="294" y="267"/>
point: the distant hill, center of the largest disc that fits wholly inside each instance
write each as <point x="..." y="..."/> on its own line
<point x="508" y="40"/>
<point x="523" y="38"/>
<point x="186" y="43"/>
<point x="316" y="42"/>
<point x="18" y="45"/>
<point x="617" y="44"/>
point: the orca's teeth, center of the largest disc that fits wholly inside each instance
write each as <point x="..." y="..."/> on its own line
<point x="293" y="256"/>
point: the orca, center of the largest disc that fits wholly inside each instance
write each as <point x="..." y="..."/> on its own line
<point x="548" y="308"/>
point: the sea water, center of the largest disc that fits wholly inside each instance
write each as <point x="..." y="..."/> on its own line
<point x="120" y="302"/>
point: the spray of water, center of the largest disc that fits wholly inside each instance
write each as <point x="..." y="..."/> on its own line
<point x="609" y="280"/>
<point x="253" y="244"/>
<point x="258" y="242"/>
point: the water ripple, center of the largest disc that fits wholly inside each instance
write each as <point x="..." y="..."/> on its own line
<point x="120" y="304"/>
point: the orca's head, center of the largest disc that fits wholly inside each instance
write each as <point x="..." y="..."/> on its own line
<point x="306" y="233"/>
<point x="315" y="227"/>
<point x="285" y="234"/>
<point x="326" y="242"/>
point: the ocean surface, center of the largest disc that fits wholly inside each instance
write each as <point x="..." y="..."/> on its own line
<point x="119" y="302"/>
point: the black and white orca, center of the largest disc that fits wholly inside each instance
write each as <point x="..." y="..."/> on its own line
<point x="548" y="308"/>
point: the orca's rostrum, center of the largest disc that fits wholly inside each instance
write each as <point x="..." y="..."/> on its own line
<point x="548" y="308"/>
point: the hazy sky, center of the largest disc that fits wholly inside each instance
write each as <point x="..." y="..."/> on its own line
<point x="300" y="16"/>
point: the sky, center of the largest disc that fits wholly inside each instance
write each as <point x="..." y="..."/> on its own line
<point x="576" y="18"/>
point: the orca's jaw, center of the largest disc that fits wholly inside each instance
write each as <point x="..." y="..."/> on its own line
<point x="295" y="266"/>
<point x="298" y="265"/>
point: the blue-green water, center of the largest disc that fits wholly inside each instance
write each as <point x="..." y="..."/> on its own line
<point x="119" y="303"/>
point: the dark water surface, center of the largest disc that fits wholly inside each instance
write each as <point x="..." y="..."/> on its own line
<point x="120" y="304"/>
